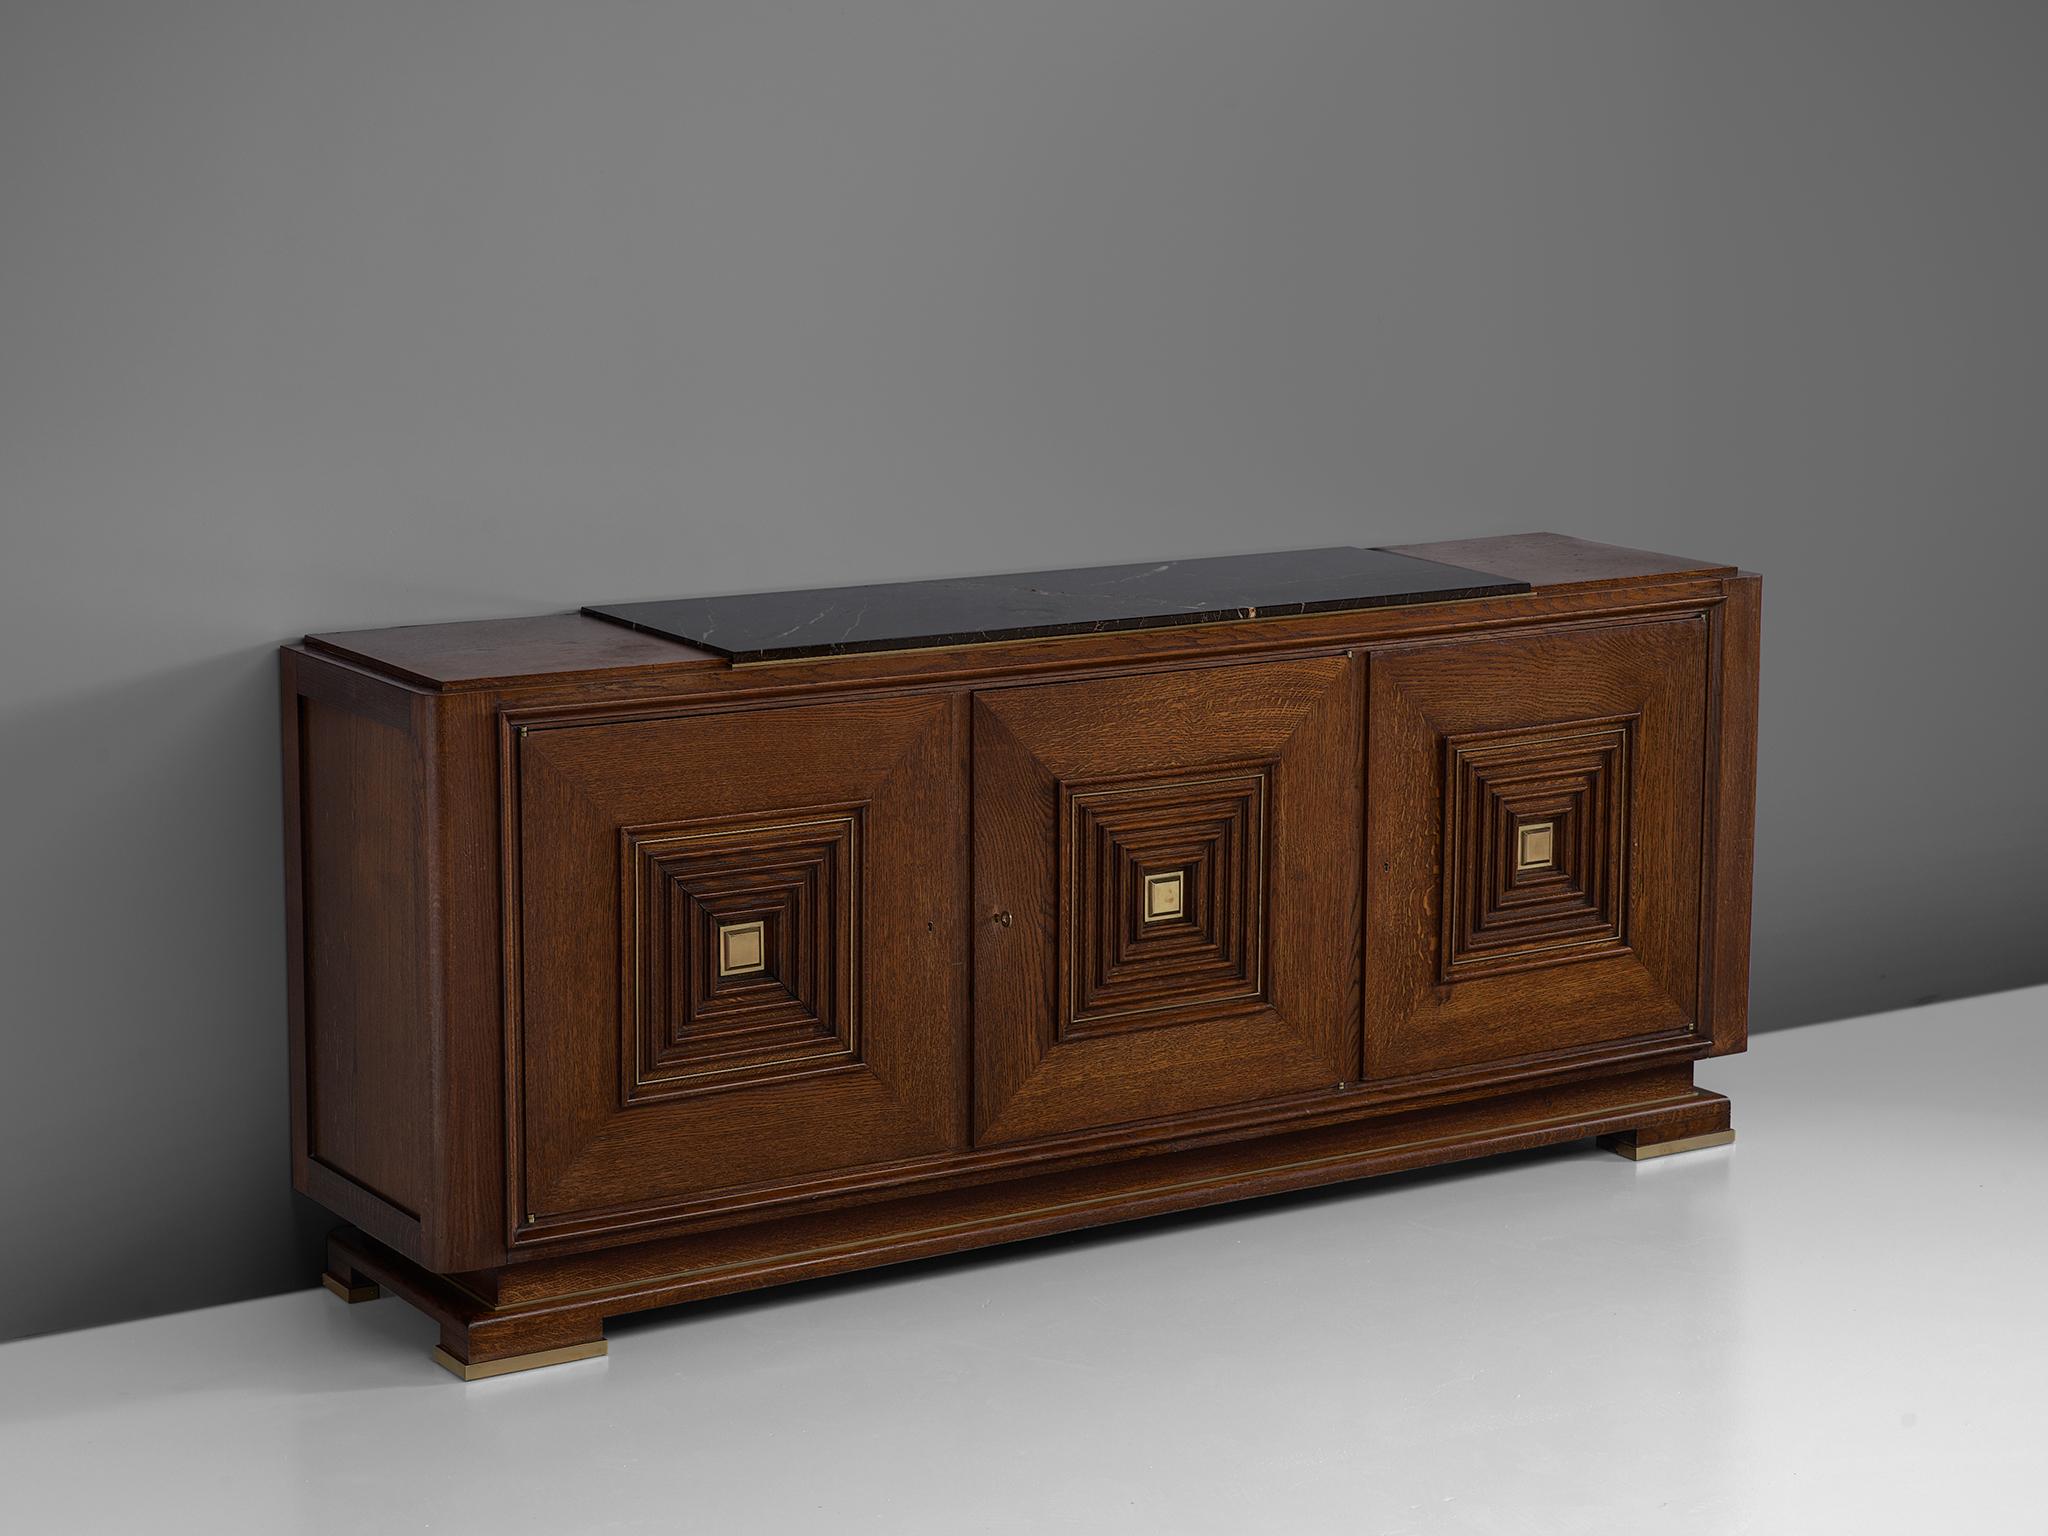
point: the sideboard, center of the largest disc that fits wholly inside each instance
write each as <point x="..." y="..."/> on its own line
<point x="628" y="969"/>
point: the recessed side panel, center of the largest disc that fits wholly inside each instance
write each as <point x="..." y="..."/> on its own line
<point x="362" y="1052"/>
<point x="368" y="1056"/>
<point x="1536" y="813"/>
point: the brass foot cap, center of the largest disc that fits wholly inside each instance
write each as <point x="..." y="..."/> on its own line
<point x="369" y="1290"/>
<point x="505" y="1367"/>
<point x="1638" y="1151"/>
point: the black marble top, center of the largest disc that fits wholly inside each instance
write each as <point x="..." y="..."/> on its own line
<point x="899" y="615"/>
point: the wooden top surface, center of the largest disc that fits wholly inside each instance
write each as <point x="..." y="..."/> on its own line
<point x="485" y="653"/>
<point x="1557" y="562"/>
<point x="480" y="653"/>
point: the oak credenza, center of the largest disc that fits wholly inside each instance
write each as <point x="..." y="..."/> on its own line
<point x="654" y="952"/>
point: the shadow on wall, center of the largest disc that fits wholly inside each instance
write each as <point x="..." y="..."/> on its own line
<point x="143" y="1115"/>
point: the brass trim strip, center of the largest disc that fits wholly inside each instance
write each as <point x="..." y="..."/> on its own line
<point x="369" y="1290"/>
<point x="505" y="1367"/>
<point x="1637" y="1152"/>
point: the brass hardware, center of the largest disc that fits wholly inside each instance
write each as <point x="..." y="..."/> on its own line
<point x="1638" y="1151"/>
<point x="742" y="948"/>
<point x="1534" y="845"/>
<point x="1000" y="919"/>
<point x="511" y="1363"/>
<point x="1162" y="897"/>
<point x="369" y="1290"/>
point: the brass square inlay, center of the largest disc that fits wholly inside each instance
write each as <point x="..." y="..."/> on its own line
<point x="1162" y="897"/>
<point x="1533" y="845"/>
<point x="742" y="948"/>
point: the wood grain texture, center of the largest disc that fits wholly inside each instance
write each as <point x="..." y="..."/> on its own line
<point x="1558" y="562"/>
<point x="1639" y="974"/>
<point x="364" y="907"/>
<point x="481" y="653"/>
<point x="551" y="1302"/>
<point x="354" y="903"/>
<point x="464" y="966"/>
<point x="1731" y="812"/>
<point x="505" y="1083"/>
<point x="490" y="653"/>
<point x="1180" y="741"/>
<point x="748" y="782"/>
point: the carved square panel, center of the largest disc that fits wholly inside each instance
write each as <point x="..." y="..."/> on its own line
<point x="644" y="1079"/>
<point x="1535" y="839"/>
<point x="1175" y="924"/>
<point x="1165" y="887"/>
<point x="740" y="952"/>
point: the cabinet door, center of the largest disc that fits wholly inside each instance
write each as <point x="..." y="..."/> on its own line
<point x="1535" y="810"/>
<point x="740" y="944"/>
<point x="1167" y="874"/>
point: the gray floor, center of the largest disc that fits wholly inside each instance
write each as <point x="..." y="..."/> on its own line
<point x="1835" y="1325"/>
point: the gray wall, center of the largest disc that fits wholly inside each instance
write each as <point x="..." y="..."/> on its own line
<point x="317" y="315"/>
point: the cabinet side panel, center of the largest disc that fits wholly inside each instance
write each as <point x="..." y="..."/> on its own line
<point x="1732" y="861"/>
<point x="366" y="1052"/>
